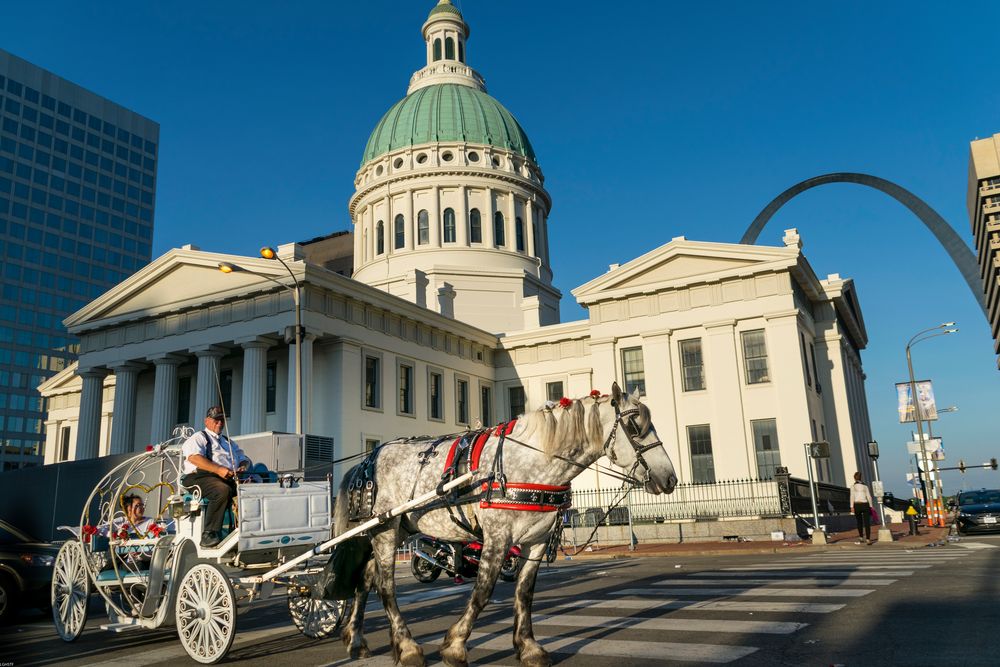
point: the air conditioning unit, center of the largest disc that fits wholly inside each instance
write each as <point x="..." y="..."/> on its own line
<point x="310" y="456"/>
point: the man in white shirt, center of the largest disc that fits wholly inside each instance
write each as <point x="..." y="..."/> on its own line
<point x="211" y="462"/>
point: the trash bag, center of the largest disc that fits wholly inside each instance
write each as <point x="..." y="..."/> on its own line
<point x="343" y="572"/>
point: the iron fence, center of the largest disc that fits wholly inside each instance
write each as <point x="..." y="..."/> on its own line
<point x="732" y="498"/>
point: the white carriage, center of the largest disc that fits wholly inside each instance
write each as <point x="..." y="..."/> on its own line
<point x="155" y="574"/>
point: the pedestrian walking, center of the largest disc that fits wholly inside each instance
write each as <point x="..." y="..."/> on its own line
<point x="861" y="501"/>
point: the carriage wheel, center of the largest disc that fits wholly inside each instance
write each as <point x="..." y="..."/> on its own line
<point x="206" y="613"/>
<point x="70" y="591"/>
<point x="316" y="618"/>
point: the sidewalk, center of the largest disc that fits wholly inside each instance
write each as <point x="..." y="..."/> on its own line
<point x="843" y="540"/>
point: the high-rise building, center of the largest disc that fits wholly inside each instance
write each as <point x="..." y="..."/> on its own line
<point x="984" y="215"/>
<point x="77" y="188"/>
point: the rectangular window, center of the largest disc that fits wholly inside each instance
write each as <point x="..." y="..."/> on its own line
<point x="370" y="445"/>
<point x="554" y="391"/>
<point x="805" y="359"/>
<point x="63" y="444"/>
<point x="632" y="370"/>
<point x="486" y="405"/>
<point x="461" y="401"/>
<point x="184" y="400"/>
<point x="755" y="357"/>
<point x="812" y="355"/>
<point x="271" y="387"/>
<point x="405" y="388"/>
<point x="435" y="385"/>
<point x="515" y="399"/>
<point x="700" y="444"/>
<point x="692" y="366"/>
<point x="373" y="386"/>
<point x="765" y="441"/>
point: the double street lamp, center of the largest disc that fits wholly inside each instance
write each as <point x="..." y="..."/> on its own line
<point x="926" y="334"/>
<point x="269" y="253"/>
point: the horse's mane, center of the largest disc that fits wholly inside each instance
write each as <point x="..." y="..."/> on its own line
<point x="565" y="430"/>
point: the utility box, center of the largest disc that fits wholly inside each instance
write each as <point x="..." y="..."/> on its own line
<point x="310" y="456"/>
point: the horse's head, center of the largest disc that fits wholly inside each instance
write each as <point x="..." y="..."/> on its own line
<point x="634" y="446"/>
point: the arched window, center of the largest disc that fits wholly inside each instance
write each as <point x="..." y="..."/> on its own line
<point x="379" y="238"/>
<point x="423" y="228"/>
<point x="449" y="48"/>
<point x="449" y="226"/>
<point x="475" y="226"/>
<point x="437" y="49"/>
<point x="519" y="234"/>
<point x="461" y="51"/>
<point x="498" y="227"/>
<point x="399" y="231"/>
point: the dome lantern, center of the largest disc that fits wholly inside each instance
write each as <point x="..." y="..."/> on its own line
<point x="445" y="33"/>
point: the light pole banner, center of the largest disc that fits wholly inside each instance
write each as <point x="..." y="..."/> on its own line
<point x="904" y="401"/>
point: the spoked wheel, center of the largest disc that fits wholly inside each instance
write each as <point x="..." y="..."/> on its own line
<point x="316" y="618"/>
<point x="70" y="591"/>
<point x="424" y="571"/>
<point x="206" y="613"/>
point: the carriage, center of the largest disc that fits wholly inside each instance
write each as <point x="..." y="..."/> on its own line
<point x="155" y="574"/>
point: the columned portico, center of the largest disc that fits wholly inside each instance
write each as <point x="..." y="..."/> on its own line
<point x="123" y="427"/>
<point x="91" y="398"/>
<point x="164" y="406"/>
<point x="253" y="415"/>
<point x="206" y="393"/>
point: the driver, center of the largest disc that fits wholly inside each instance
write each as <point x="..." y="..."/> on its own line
<point x="211" y="462"/>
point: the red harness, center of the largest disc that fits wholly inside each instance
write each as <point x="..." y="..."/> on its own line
<point x="522" y="496"/>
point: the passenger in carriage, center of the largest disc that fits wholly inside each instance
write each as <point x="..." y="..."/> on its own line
<point x="134" y="522"/>
<point x="212" y="462"/>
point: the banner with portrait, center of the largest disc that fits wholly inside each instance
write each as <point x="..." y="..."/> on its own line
<point x="925" y="397"/>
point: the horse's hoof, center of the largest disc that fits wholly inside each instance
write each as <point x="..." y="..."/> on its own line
<point x="536" y="658"/>
<point x="454" y="657"/>
<point x="412" y="658"/>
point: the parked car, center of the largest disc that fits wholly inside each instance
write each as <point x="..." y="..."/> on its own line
<point x="25" y="571"/>
<point x="978" y="511"/>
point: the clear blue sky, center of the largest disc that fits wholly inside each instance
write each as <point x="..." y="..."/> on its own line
<point x="715" y="109"/>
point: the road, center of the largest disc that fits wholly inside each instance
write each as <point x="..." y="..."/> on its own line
<point x="865" y="606"/>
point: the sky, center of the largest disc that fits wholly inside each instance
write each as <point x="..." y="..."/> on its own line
<point x="650" y="120"/>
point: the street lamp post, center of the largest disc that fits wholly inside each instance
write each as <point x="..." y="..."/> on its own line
<point x="918" y="338"/>
<point x="884" y="534"/>
<point x="270" y="253"/>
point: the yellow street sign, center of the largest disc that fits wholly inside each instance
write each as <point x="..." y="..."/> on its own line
<point x="910" y="511"/>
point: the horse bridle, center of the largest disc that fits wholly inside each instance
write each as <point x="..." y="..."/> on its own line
<point x="626" y="419"/>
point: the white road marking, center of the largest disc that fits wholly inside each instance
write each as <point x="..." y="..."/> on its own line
<point x="974" y="545"/>
<point x="792" y="573"/>
<point x="838" y="567"/>
<point x="761" y="592"/>
<point x="796" y="581"/>
<point x="678" y="624"/>
<point x="706" y="605"/>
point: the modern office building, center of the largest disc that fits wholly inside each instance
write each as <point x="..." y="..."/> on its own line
<point x="984" y="215"/>
<point x="77" y="188"/>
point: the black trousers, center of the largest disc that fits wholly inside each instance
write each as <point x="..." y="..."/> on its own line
<point x="863" y="517"/>
<point x="220" y="492"/>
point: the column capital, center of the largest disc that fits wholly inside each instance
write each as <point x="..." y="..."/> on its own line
<point x="125" y="366"/>
<point x="725" y="325"/>
<point x="255" y="341"/>
<point x="208" y="351"/>
<point x="307" y="334"/>
<point x="653" y="336"/>
<point x="92" y="372"/>
<point x="166" y="358"/>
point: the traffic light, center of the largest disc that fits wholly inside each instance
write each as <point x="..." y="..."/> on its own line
<point x="993" y="464"/>
<point x="961" y="466"/>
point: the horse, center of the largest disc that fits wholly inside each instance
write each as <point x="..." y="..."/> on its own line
<point x="517" y="501"/>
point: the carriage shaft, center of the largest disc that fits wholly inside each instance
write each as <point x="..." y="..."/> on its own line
<point x="357" y="530"/>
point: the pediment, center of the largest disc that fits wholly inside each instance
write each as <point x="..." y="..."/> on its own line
<point x="680" y="261"/>
<point x="182" y="284"/>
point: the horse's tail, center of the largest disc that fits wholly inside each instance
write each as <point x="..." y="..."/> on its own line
<point x="341" y="520"/>
<point x="344" y="573"/>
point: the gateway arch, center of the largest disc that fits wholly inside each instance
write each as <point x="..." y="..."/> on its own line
<point x="953" y="244"/>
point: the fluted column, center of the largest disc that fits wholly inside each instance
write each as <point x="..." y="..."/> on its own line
<point x="435" y="215"/>
<point x="489" y="240"/>
<point x="207" y="391"/>
<point x="123" y="426"/>
<point x="253" y="418"/>
<point x="529" y="228"/>
<point x="88" y="430"/>
<point x="511" y="231"/>
<point x="410" y="224"/>
<point x="164" y="397"/>
<point x="307" y="376"/>
<point x="462" y="223"/>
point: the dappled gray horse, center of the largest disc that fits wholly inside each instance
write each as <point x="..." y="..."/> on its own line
<point x="525" y="468"/>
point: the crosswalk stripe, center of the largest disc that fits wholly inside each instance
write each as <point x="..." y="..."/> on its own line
<point x="832" y="567"/>
<point x="677" y="624"/>
<point x="749" y="591"/>
<point x="839" y="574"/>
<point x="617" y="648"/>
<point x="975" y="545"/>
<point x="798" y="581"/>
<point x="705" y="605"/>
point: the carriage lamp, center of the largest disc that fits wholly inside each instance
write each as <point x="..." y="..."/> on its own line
<point x="268" y="252"/>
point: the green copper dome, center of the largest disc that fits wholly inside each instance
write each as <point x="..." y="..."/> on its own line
<point x="445" y="7"/>
<point x="447" y="112"/>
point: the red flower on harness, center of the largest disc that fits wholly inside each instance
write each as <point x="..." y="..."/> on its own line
<point x="122" y="535"/>
<point x="87" y="531"/>
<point x="595" y="393"/>
<point x="155" y="530"/>
<point x="565" y="402"/>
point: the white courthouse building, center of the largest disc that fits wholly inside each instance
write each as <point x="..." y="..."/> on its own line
<point x="451" y="319"/>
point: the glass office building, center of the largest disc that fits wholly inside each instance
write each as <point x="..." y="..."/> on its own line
<point x="77" y="188"/>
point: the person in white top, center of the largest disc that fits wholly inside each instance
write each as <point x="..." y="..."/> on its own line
<point x="212" y="462"/>
<point x="861" y="501"/>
